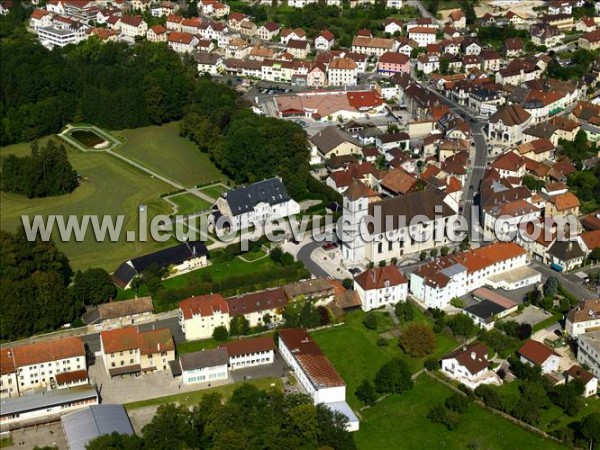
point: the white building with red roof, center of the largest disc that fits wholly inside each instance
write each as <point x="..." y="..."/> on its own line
<point x="381" y="287"/>
<point x="133" y="26"/>
<point x="315" y="373"/>
<point x="37" y="365"/>
<point x="251" y="352"/>
<point x="469" y="365"/>
<point x="182" y="42"/>
<point x="535" y="353"/>
<point x="199" y="316"/>
<point x="40" y="18"/>
<point x="324" y="41"/>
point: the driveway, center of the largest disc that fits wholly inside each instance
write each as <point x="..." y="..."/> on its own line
<point x="531" y="315"/>
<point x="305" y="255"/>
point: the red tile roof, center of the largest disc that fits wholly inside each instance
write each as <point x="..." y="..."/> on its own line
<point x="472" y="356"/>
<point x="131" y="338"/>
<point x="380" y="277"/>
<point x="203" y="305"/>
<point x="39" y="352"/>
<point x="256" y="301"/>
<point x="394" y="58"/>
<point x="536" y="352"/>
<point x="71" y="377"/>
<point x="591" y="239"/>
<point x="314" y="363"/>
<point x="580" y="373"/>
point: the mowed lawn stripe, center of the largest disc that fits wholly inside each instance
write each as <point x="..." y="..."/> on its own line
<point x="161" y="149"/>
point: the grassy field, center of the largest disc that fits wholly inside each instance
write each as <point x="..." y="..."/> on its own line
<point x="254" y="255"/>
<point x="161" y="149"/>
<point x="214" y="191"/>
<point x="221" y="271"/>
<point x="400" y="422"/>
<point x="110" y="187"/>
<point x="189" y="203"/>
<point x="354" y="352"/>
<point x="196" y="346"/>
<point x="193" y="398"/>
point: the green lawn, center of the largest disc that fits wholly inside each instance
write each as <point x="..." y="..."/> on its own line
<point x="221" y="271"/>
<point x="400" y="422"/>
<point x="110" y="187"/>
<point x="161" y="149"/>
<point x="196" y="346"/>
<point x="193" y="398"/>
<point x="354" y="352"/>
<point x="254" y="255"/>
<point x="214" y="191"/>
<point x="189" y="203"/>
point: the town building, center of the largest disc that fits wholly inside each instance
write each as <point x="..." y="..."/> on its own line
<point x="315" y="373"/>
<point x="589" y="381"/>
<point x="469" y="365"/>
<point x="259" y="308"/>
<point x="250" y="352"/>
<point x="588" y="351"/>
<point x="391" y="63"/>
<point x="583" y="318"/>
<point x="132" y="26"/>
<point x="253" y="204"/>
<point x="373" y="46"/>
<point x="381" y="287"/>
<point x="121" y="313"/>
<point x="342" y="72"/>
<point x="199" y="316"/>
<point x="131" y="351"/>
<point x="423" y="36"/>
<point x="204" y="366"/>
<point x="535" y="353"/>
<point x="508" y="123"/>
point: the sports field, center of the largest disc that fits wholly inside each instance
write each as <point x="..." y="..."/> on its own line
<point x="160" y="148"/>
<point x="110" y="187"/>
<point x="189" y="203"/>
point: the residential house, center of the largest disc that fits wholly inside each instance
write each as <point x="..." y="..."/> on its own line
<point x="267" y="31"/>
<point x="469" y="365"/>
<point x="583" y="318"/>
<point x="490" y="60"/>
<point x="588" y="351"/>
<point x="548" y="35"/>
<point x="174" y="22"/>
<point x="423" y="36"/>
<point x="586" y="25"/>
<point x="562" y="205"/>
<point x="199" y="316"/>
<point x="331" y="141"/>
<point x="121" y="313"/>
<point x="428" y="63"/>
<point x="458" y="19"/>
<point x="299" y="48"/>
<point x="513" y="47"/>
<point x="132" y="26"/>
<point x="471" y="46"/>
<point x="131" y="351"/>
<point x="381" y="287"/>
<point x="205" y="366"/>
<point x="211" y="63"/>
<point x="392" y="26"/>
<point x="342" y="72"/>
<point x="324" y="41"/>
<point x="40" y="18"/>
<point x="157" y="33"/>
<point x="182" y="42"/>
<point x="388" y="141"/>
<point x="589" y="381"/>
<point x="253" y="204"/>
<point x="259" y="308"/>
<point x="391" y="63"/>
<point x="373" y="46"/>
<point x="297" y="34"/>
<point x="535" y="353"/>
<point x="590" y="41"/>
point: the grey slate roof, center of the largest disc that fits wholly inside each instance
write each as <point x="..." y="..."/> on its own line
<point x="245" y="198"/>
<point x="330" y="137"/>
<point x="46" y="399"/>
<point x="485" y="309"/>
<point x="205" y="358"/>
<point x="566" y="250"/>
<point x="97" y="420"/>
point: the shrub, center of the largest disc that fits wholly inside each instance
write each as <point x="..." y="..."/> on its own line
<point x="370" y="321"/>
<point x="418" y="340"/>
<point x="365" y="392"/>
<point x="394" y="377"/>
<point x="382" y="342"/>
<point x="458" y="403"/>
<point x="220" y="333"/>
<point x="432" y="364"/>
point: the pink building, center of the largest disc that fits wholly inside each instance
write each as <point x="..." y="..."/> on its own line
<point x="391" y="63"/>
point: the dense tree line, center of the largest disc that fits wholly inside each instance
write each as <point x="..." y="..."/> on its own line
<point x="34" y="295"/>
<point x="111" y="85"/>
<point x="46" y="172"/>
<point x="250" y="419"/>
<point x="37" y="294"/>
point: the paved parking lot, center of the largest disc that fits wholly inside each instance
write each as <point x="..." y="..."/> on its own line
<point x="50" y="435"/>
<point x="532" y="315"/>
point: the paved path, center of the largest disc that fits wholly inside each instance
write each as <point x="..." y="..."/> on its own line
<point x="417" y="4"/>
<point x="567" y="280"/>
<point x="304" y="255"/>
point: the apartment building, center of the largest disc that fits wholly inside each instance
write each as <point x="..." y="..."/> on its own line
<point x="199" y="316"/>
<point x="381" y="287"/>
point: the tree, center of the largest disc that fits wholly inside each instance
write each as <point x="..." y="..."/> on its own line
<point x="239" y="326"/>
<point x="465" y="244"/>
<point x="590" y="427"/>
<point x="417" y="340"/>
<point x="116" y="441"/>
<point x="152" y="278"/>
<point x="423" y="256"/>
<point x="170" y="428"/>
<point x="457" y="303"/>
<point x="366" y="393"/>
<point x="276" y="255"/>
<point x="348" y="283"/>
<point x="382" y="263"/>
<point x="404" y="311"/>
<point x="394" y="377"/>
<point x="433" y="252"/>
<point x="551" y="287"/>
<point x="432" y="364"/>
<point x="220" y="333"/>
<point x="461" y="325"/>
<point x="93" y="286"/>
<point x="441" y="414"/>
<point x="370" y="321"/>
<point x="458" y="403"/>
<point x="444" y="250"/>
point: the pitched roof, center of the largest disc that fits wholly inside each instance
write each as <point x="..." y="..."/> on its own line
<point x="510" y="115"/>
<point x="472" y="356"/>
<point x="580" y="373"/>
<point x="508" y="161"/>
<point x="309" y="356"/>
<point x="399" y="181"/>
<point x="394" y="58"/>
<point x="244" y="198"/>
<point x="359" y="190"/>
<point x="584" y="311"/>
<point x="257" y="301"/>
<point x="39" y="352"/>
<point x="327" y="35"/>
<point x="327" y="139"/>
<point x="342" y="64"/>
<point x="422" y="30"/>
<point x="205" y="358"/>
<point x="565" y="201"/>
<point x="361" y="41"/>
<point x="133" y="21"/>
<point x="380" y="277"/>
<point x="536" y="352"/>
<point x="203" y="305"/>
<point x="119" y="339"/>
<point x="246" y="346"/>
<point x="308" y="288"/>
<point x="125" y="308"/>
<point x="158" y="29"/>
<point x="181" y="37"/>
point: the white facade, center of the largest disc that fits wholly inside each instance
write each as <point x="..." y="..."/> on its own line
<point x="422" y="37"/>
<point x="251" y="359"/>
<point x="199" y="327"/>
<point x="205" y="374"/>
<point x="588" y="351"/>
<point x="54" y="37"/>
<point x="548" y="366"/>
<point x="378" y="298"/>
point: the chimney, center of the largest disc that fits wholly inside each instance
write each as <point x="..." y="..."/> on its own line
<point x="473" y="356"/>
